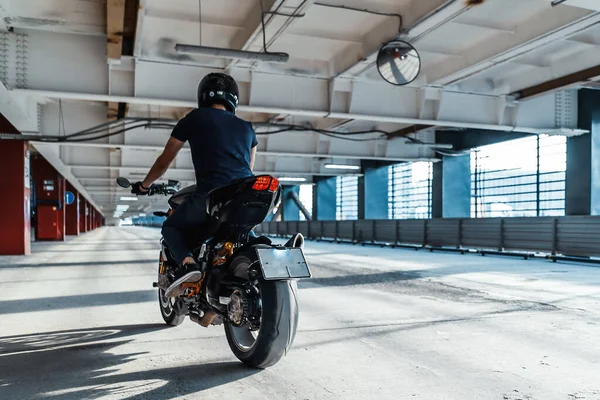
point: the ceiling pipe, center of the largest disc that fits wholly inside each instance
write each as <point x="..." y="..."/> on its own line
<point x="309" y="113"/>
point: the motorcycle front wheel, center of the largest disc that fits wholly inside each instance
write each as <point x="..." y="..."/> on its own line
<point x="278" y="321"/>
<point x="168" y="309"/>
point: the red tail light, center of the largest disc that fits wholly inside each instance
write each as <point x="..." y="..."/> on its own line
<point x="266" y="183"/>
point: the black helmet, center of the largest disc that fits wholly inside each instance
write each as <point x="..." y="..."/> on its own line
<point x="218" y="88"/>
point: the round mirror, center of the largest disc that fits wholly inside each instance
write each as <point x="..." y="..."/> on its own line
<point x="398" y="62"/>
<point x="123" y="182"/>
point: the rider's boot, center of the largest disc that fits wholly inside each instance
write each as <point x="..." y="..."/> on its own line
<point x="187" y="273"/>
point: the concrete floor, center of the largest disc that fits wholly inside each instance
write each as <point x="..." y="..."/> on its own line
<point x="80" y="320"/>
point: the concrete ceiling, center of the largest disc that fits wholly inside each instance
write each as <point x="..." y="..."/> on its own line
<point x="87" y="58"/>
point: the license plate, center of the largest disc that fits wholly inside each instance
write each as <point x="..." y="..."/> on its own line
<point x="283" y="263"/>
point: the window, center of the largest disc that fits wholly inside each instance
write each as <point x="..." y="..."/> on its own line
<point x="409" y="190"/>
<point x="346" y="206"/>
<point x="519" y="178"/>
<point x="306" y="198"/>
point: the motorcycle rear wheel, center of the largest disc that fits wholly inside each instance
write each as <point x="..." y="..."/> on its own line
<point x="279" y="321"/>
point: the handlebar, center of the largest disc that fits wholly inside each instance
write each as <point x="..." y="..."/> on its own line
<point x="161" y="188"/>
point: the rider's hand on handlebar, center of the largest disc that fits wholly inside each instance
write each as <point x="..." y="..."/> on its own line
<point x="138" y="189"/>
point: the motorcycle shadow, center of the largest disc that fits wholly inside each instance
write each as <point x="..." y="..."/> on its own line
<point x="87" y="364"/>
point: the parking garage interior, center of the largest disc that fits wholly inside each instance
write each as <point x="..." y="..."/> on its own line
<point x="449" y="198"/>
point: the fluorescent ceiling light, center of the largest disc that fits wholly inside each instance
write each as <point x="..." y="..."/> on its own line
<point x="292" y="179"/>
<point x="431" y="145"/>
<point x="342" y="166"/>
<point x="122" y="207"/>
<point x="230" y="53"/>
<point x="126" y="198"/>
<point x="142" y="214"/>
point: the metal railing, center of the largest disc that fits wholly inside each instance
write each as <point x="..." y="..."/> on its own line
<point x="572" y="236"/>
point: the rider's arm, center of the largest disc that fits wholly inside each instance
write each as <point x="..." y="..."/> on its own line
<point x="253" y="148"/>
<point x="252" y="157"/>
<point x="162" y="163"/>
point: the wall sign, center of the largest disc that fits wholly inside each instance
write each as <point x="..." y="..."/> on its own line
<point x="69" y="198"/>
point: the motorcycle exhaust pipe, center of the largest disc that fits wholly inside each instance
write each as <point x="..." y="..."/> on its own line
<point x="206" y="320"/>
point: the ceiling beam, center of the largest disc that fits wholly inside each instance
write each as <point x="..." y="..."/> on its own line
<point x="4" y="6"/>
<point x="191" y="170"/>
<point x="469" y="102"/>
<point x="409" y="130"/>
<point x="546" y="28"/>
<point x="186" y="149"/>
<point x="115" y="20"/>
<point x="559" y="83"/>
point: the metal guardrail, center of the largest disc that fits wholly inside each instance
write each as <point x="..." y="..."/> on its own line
<point x="556" y="236"/>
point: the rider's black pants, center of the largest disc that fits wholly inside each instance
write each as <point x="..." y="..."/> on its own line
<point x="186" y="218"/>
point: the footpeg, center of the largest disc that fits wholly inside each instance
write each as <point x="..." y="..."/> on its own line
<point x="154" y="284"/>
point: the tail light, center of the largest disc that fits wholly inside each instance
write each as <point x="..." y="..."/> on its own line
<point x="274" y="185"/>
<point x="266" y="183"/>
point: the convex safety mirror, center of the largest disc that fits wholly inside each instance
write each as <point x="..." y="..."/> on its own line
<point x="398" y="62"/>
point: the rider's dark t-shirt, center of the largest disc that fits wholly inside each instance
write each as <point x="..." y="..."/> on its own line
<point x="220" y="143"/>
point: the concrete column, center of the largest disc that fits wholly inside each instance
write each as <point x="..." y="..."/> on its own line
<point x="451" y="187"/>
<point x="50" y="195"/>
<point x="583" y="159"/>
<point x="72" y="213"/>
<point x="83" y="215"/>
<point x="15" y="238"/>
<point x="375" y="191"/>
<point x="291" y="212"/>
<point x="324" y="199"/>
<point x="89" y="217"/>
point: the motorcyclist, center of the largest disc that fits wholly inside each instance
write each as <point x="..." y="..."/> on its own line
<point x="223" y="149"/>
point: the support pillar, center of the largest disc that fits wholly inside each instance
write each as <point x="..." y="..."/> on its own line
<point x="49" y="194"/>
<point x="376" y="193"/>
<point x="583" y="159"/>
<point x="83" y="215"/>
<point x="15" y="237"/>
<point x="324" y="199"/>
<point x="72" y="211"/>
<point x="291" y="212"/>
<point x="451" y="187"/>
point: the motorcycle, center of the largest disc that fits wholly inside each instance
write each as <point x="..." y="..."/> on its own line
<point x="250" y="284"/>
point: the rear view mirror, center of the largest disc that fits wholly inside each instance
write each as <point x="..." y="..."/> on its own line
<point x="123" y="182"/>
<point x="398" y="62"/>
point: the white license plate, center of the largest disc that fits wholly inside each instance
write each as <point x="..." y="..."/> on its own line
<point x="288" y="263"/>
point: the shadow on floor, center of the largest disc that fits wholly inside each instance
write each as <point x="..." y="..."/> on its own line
<point x="76" y="301"/>
<point x="83" y="364"/>
<point x="82" y="263"/>
<point x="360" y="279"/>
